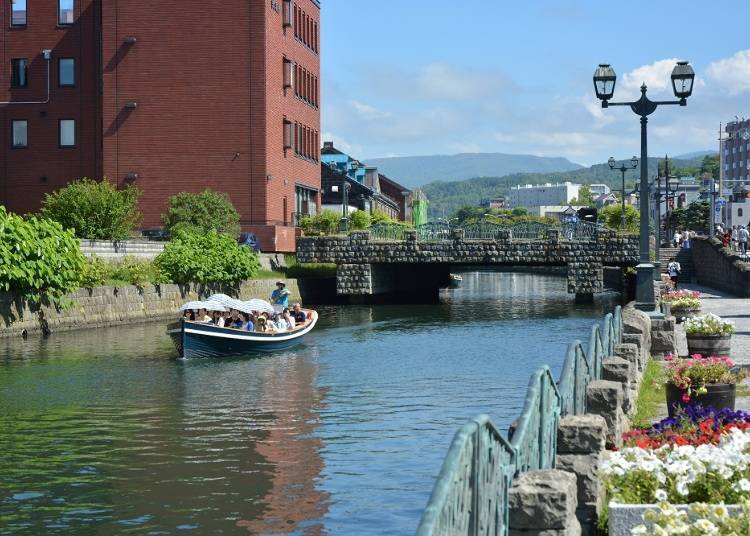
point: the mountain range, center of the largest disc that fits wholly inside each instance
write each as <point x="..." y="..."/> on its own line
<point x="414" y="171"/>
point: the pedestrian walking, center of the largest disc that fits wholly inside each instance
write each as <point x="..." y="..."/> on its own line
<point x="676" y="239"/>
<point x="742" y="236"/>
<point x="674" y="269"/>
<point x="735" y="237"/>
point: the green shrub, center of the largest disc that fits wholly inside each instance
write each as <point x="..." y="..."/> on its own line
<point x="359" y="219"/>
<point x="327" y="222"/>
<point x="206" y="211"/>
<point x="206" y="258"/>
<point x="311" y="271"/>
<point x="39" y="260"/>
<point x="135" y="272"/>
<point x="611" y="217"/>
<point x="94" y="209"/>
<point x="96" y="272"/>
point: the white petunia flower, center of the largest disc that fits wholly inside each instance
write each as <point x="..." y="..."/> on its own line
<point x="660" y="495"/>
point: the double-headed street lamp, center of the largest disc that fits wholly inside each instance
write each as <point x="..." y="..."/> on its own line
<point x="622" y="169"/>
<point x="683" y="77"/>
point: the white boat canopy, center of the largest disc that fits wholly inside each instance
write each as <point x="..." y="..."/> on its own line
<point x="207" y="305"/>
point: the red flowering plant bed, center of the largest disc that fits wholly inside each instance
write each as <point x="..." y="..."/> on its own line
<point x="695" y="425"/>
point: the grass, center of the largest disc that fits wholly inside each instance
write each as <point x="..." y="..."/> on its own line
<point x="269" y="274"/>
<point x="651" y="396"/>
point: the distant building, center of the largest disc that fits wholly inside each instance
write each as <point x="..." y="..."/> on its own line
<point x="736" y="153"/>
<point x="554" y="211"/>
<point x="496" y="202"/>
<point x="540" y="195"/>
<point x="604" y="200"/>
<point x="599" y="189"/>
<point x="369" y="190"/>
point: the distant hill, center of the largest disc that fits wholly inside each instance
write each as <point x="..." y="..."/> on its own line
<point x="696" y="154"/>
<point x="447" y="197"/>
<point x="414" y="171"/>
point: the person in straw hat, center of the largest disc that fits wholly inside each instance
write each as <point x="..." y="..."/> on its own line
<point x="280" y="296"/>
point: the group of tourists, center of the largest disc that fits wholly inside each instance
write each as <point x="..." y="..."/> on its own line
<point x="681" y="239"/>
<point x="736" y="237"/>
<point x="284" y="319"/>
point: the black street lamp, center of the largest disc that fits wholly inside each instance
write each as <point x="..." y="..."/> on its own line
<point x="344" y="223"/>
<point x="622" y="169"/>
<point x="605" y="78"/>
<point x="671" y="185"/>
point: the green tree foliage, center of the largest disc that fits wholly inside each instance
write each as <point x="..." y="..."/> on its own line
<point x="94" y="209"/>
<point x="202" y="212"/>
<point x="378" y="216"/>
<point x="39" y="260"/>
<point x="611" y="217"/>
<point x="325" y="222"/>
<point x="711" y="166"/>
<point x="206" y="257"/>
<point x="519" y="211"/>
<point x="359" y="219"/>
<point x="501" y="216"/>
<point x="694" y="217"/>
<point x="585" y="197"/>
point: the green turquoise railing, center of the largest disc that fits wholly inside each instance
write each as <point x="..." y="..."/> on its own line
<point x="443" y="232"/>
<point x="470" y="496"/>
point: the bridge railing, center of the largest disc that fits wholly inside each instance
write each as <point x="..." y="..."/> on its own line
<point x="443" y="232"/>
<point x="470" y="495"/>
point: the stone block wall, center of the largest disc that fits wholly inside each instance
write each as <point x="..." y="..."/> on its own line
<point x="585" y="277"/>
<point x="109" y="306"/>
<point x="354" y="279"/>
<point x="719" y="267"/>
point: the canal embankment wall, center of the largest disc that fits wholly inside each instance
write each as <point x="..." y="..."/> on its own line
<point x="568" y="499"/>
<point x="111" y="306"/>
<point x="719" y="267"/>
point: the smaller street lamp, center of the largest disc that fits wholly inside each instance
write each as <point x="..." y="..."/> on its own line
<point x="622" y="169"/>
<point x="344" y="223"/>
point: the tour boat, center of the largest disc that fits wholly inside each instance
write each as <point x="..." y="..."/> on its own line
<point x="456" y="280"/>
<point x="203" y="339"/>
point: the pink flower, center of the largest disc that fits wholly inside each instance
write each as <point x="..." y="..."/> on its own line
<point x="685" y="398"/>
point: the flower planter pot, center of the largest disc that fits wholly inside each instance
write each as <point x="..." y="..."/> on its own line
<point x="720" y="395"/>
<point x="708" y="345"/>
<point x="683" y="314"/>
<point x="623" y="518"/>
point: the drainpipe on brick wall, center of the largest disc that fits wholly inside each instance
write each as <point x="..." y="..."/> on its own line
<point x="47" y="55"/>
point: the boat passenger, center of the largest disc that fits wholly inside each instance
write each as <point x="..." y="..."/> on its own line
<point x="203" y="316"/>
<point x="261" y="325"/>
<point x="280" y="296"/>
<point x="188" y="315"/>
<point x="247" y="322"/>
<point x="234" y="321"/>
<point x="216" y="317"/>
<point x="300" y="317"/>
<point x="289" y="319"/>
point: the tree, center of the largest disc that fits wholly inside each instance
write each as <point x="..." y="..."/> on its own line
<point x="94" y="209"/>
<point x="202" y="212"/>
<point x="359" y="219"/>
<point x="585" y="197"/>
<point x="694" y="217"/>
<point x="519" y="211"/>
<point x="611" y="217"/>
<point x="39" y="260"/>
<point x="711" y="166"/>
<point x="206" y="257"/>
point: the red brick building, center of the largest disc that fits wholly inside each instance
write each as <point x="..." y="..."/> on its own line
<point x="172" y="96"/>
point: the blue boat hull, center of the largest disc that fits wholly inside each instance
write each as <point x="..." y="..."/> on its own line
<point x="198" y="339"/>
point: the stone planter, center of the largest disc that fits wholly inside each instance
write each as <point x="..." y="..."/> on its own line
<point x="708" y="345"/>
<point x="625" y="517"/>
<point x="719" y="395"/>
<point x="683" y="314"/>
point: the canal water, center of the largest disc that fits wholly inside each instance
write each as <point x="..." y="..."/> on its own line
<point x="104" y="431"/>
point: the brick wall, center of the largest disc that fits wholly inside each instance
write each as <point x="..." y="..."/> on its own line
<point x="109" y="306"/>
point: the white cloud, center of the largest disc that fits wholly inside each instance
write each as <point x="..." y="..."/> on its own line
<point x="656" y="76"/>
<point x="732" y="74"/>
<point x="342" y="144"/>
<point x="594" y="107"/>
<point x="366" y="111"/>
<point x="443" y="81"/>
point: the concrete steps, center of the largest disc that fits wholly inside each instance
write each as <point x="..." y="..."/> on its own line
<point x="684" y="256"/>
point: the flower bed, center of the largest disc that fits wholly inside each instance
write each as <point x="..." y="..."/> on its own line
<point x="695" y="425"/>
<point x="708" y="325"/>
<point x="710" y="381"/>
<point x="678" y="474"/>
<point x="682" y="299"/>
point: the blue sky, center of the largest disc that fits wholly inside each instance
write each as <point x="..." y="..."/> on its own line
<point x="423" y="77"/>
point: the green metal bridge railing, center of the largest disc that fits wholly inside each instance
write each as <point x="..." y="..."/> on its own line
<point x="470" y="495"/>
<point x="443" y="232"/>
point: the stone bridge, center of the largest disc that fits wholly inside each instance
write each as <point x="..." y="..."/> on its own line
<point x="414" y="268"/>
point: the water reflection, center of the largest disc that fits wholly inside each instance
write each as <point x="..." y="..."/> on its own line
<point x="104" y="431"/>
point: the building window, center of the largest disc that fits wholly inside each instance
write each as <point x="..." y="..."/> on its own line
<point x="20" y="129"/>
<point x="287" y="13"/>
<point x="288" y="73"/>
<point x="18" y="12"/>
<point x="288" y="134"/>
<point x="65" y="11"/>
<point x="67" y="132"/>
<point x="739" y="212"/>
<point x="66" y="72"/>
<point x="19" y="72"/>
<point x="305" y="203"/>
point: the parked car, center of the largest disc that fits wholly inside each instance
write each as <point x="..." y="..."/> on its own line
<point x="249" y="240"/>
<point x="157" y="233"/>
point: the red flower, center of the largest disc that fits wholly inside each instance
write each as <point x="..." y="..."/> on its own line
<point x="685" y="398"/>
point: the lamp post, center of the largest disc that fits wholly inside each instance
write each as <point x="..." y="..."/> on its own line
<point x="622" y="169"/>
<point x="344" y="223"/>
<point x="682" y="85"/>
<point x="671" y="184"/>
